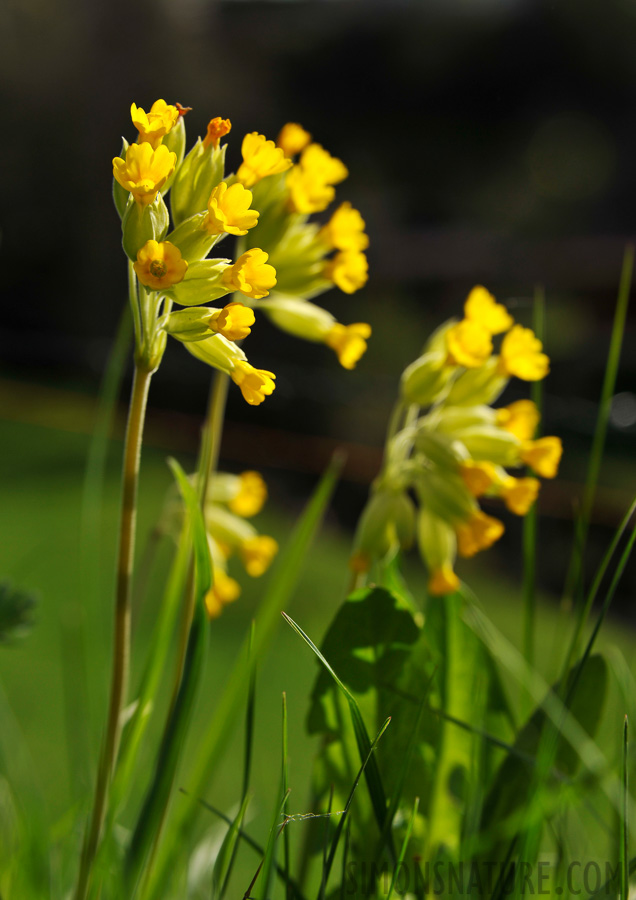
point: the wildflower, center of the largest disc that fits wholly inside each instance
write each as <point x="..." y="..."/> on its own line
<point x="543" y="456"/>
<point x="323" y="165"/>
<point x="224" y="590"/>
<point x="260" y="159"/>
<point x="308" y="193"/>
<point x="251" y="495"/>
<point x="233" y="321"/>
<point x="478" y="477"/>
<point x="292" y="138"/>
<point x="228" y="210"/>
<point x="519" y="494"/>
<point x="348" y="270"/>
<point x="345" y="230"/>
<point x="520" y="418"/>
<point x="481" y="307"/>
<point x="468" y="344"/>
<point x="251" y="275"/>
<point x="160" y="265"/>
<point x="255" y="384"/>
<point x="217" y="128"/>
<point x="154" y="125"/>
<point x="476" y="533"/>
<point x="349" y="342"/>
<point x="443" y="581"/>
<point x="144" y="171"/>
<point x="521" y="355"/>
<point x="257" y="554"/>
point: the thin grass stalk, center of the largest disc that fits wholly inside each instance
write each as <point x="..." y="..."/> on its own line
<point x="121" y="641"/>
<point x="286" y="789"/>
<point x="623" y="850"/>
<point x="405" y="842"/>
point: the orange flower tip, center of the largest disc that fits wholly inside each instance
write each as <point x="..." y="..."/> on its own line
<point x="443" y="581"/>
<point x="183" y="110"/>
<point x="217" y="128"/>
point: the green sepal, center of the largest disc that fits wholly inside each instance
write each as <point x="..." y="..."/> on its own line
<point x="188" y="324"/>
<point x="175" y="141"/>
<point x="476" y="386"/>
<point x="387" y="519"/>
<point x="444" y="494"/>
<point x="120" y="195"/>
<point x="424" y="380"/>
<point x="197" y="176"/>
<point x="143" y="223"/>
<point x="490" y="444"/>
<point x="202" y="283"/>
<point x="192" y="238"/>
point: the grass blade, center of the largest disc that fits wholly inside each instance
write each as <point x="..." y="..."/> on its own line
<point x="225" y="858"/>
<point x="623" y="858"/>
<point x="405" y="842"/>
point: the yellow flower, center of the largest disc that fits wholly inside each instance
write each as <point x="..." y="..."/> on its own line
<point x="160" y="265"/>
<point x="252" y="494"/>
<point x="519" y="494"/>
<point x="477" y="533"/>
<point x="251" y="275"/>
<point x="233" y="321"/>
<point x="345" y="229"/>
<point x="478" y="477"/>
<point x="443" y="581"/>
<point x="225" y="590"/>
<point x="543" y="456"/>
<point x="521" y="355"/>
<point x="257" y="554"/>
<point x="348" y="270"/>
<point x="482" y="308"/>
<point x="229" y="210"/>
<point x="154" y="125"/>
<point x="323" y="165"/>
<point x="308" y="193"/>
<point x="217" y="128"/>
<point x="292" y="138"/>
<point x="520" y="418"/>
<point x="349" y="342"/>
<point x="144" y="171"/>
<point x="260" y="159"/>
<point x="468" y="344"/>
<point x="255" y="384"/>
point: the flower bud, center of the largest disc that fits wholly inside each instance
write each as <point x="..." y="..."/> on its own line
<point x="487" y="442"/>
<point x="475" y="386"/>
<point x="202" y="283"/>
<point x="387" y="519"/>
<point x="188" y="324"/>
<point x="425" y="379"/>
<point x="197" y="176"/>
<point x="192" y="238"/>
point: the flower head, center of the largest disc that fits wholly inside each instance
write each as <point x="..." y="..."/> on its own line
<point x="255" y="384"/>
<point x="468" y="344"/>
<point x="308" y="193"/>
<point x="160" y="265"/>
<point x="224" y="590"/>
<point x="520" y="418"/>
<point x="348" y="270"/>
<point x="521" y="355"/>
<point x="443" y="581"/>
<point x="482" y="308"/>
<point x="345" y="229"/>
<point x="478" y="477"/>
<point x="349" y="342"/>
<point x="154" y="125"/>
<point x="519" y="494"/>
<point x="251" y="275"/>
<point x="477" y="533"/>
<point x="217" y="128"/>
<point x="260" y="159"/>
<point x="251" y="495"/>
<point x="292" y="138"/>
<point x="543" y="456"/>
<point x="234" y="321"/>
<point x="144" y="171"/>
<point x="323" y="165"/>
<point x="257" y="554"/>
<point x="229" y="210"/>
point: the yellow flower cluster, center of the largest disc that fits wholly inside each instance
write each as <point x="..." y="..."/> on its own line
<point x="452" y="448"/>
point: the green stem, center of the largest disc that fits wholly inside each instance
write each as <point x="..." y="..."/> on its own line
<point x="121" y="641"/>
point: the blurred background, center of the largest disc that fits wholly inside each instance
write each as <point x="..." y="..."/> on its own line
<point x="488" y="141"/>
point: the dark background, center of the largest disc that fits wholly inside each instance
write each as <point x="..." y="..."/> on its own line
<point x="487" y="142"/>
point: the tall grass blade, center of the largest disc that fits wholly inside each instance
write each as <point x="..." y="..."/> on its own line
<point x="286" y="790"/>
<point x="623" y="858"/>
<point x="405" y="843"/>
<point x="225" y="858"/>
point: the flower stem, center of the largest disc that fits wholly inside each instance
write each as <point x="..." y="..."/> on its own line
<point x="121" y="641"/>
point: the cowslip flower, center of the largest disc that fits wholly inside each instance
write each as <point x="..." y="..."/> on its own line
<point x="345" y="230"/>
<point x="217" y="128"/>
<point x="543" y="456"/>
<point x="348" y="270"/>
<point x="349" y="342"/>
<point x="323" y="165"/>
<point x="160" y="265"/>
<point x="478" y="532"/>
<point x="260" y="159"/>
<point x="520" y="418"/>
<point x="478" y="476"/>
<point x="224" y="590"/>
<point x="292" y="138"/>
<point x="521" y="355"/>
<point x="308" y="193"/>
<point x="229" y="210"/>
<point x="519" y="494"/>
<point x="468" y="344"/>
<point x="144" y="171"/>
<point x="250" y="496"/>
<point x="257" y="554"/>
<point x="234" y="321"/>
<point x="443" y="581"/>
<point x="255" y="384"/>
<point x="251" y="275"/>
<point x="153" y="126"/>
<point x="482" y="308"/>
